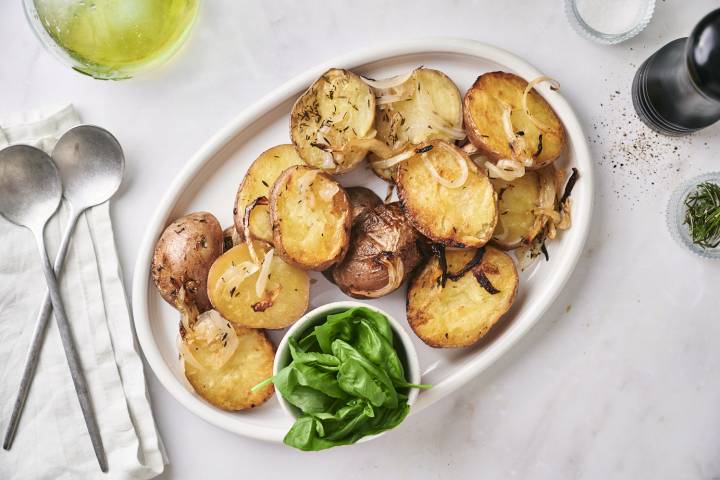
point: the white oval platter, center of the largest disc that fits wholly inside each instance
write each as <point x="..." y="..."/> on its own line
<point x="210" y="179"/>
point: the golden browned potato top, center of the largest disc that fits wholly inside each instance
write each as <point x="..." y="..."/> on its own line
<point x="462" y="311"/>
<point x="311" y="218"/>
<point x="484" y="106"/>
<point x="459" y="217"/>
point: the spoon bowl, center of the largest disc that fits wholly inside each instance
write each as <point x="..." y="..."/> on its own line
<point x="91" y="163"/>
<point x="30" y="188"/>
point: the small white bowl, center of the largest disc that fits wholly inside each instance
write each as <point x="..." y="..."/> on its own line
<point x="644" y="15"/>
<point x="317" y="316"/>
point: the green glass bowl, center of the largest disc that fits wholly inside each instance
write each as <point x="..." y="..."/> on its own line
<point x="112" y="39"/>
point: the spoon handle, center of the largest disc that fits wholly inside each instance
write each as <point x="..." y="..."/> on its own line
<point x="71" y="355"/>
<point x="38" y="336"/>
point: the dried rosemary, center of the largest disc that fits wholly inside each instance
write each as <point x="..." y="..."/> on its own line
<point x="703" y="215"/>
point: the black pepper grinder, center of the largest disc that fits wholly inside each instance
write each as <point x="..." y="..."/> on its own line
<point x="677" y="90"/>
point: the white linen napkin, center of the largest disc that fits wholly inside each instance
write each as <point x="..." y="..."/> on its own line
<point x="52" y="441"/>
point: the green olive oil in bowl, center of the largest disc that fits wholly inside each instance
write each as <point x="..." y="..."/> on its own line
<point x="112" y="39"/>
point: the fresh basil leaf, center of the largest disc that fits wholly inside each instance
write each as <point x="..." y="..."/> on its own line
<point x="308" y="375"/>
<point x="336" y="327"/>
<point x="356" y="381"/>
<point x="345" y="352"/>
<point x="379" y="320"/>
<point x="373" y="345"/>
<point x="319" y="359"/>
<point x="307" y="399"/>
<point x="309" y="343"/>
<point x="304" y="435"/>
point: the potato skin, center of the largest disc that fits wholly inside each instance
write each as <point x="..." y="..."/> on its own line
<point x="257" y="182"/>
<point x="231" y="237"/>
<point x="383" y="233"/>
<point x="362" y="200"/>
<point x="228" y="388"/>
<point x="183" y="256"/>
<point x="483" y="119"/>
<point x="462" y="312"/>
<point x="296" y="238"/>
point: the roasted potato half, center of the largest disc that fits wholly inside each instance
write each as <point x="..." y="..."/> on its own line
<point x="311" y="218"/>
<point x="362" y="200"/>
<point x="526" y="205"/>
<point x="425" y="107"/>
<point x="223" y="362"/>
<point x="459" y="215"/>
<point x="183" y="256"/>
<point x="234" y="291"/>
<point x="462" y="311"/>
<point x="257" y="183"/>
<point x="517" y="201"/>
<point x="497" y="124"/>
<point x="383" y="252"/>
<point x="330" y="117"/>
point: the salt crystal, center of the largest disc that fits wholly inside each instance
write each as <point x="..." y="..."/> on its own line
<point x="611" y="16"/>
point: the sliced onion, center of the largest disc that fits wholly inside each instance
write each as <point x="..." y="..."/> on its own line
<point x="517" y="143"/>
<point x="394" y="160"/>
<point x="551" y="214"/>
<point x="391" y="98"/>
<point x="395" y="271"/>
<point x="237" y="273"/>
<point x="550" y="231"/>
<point x="390" y="82"/>
<point x="217" y="335"/>
<point x="505" y="169"/>
<point x="187" y="356"/>
<point x="462" y="163"/>
<point x="548" y="190"/>
<point x="554" y="85"/>
<point x="437" y="123"/>
<point x="246" y="217"/>
<point x="188" y="310"/>
<point x="470" y="149"/>
<point x="246" y="228"/>
<point x="528" y="254"/>
<point x="507" y="123"/>
<point x="264" y="274"/>
<point x="546" y="201"/>
<point x="565" y="216"/>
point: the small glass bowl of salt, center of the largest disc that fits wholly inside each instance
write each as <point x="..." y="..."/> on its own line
<point x="609" y="21"/>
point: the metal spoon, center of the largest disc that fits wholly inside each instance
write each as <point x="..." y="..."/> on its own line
<point x="92" y="163"/>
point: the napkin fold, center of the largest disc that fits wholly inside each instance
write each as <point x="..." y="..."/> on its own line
<point x="52" y="441"/>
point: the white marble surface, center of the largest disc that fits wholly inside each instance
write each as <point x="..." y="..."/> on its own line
<point x="619" y="380"/>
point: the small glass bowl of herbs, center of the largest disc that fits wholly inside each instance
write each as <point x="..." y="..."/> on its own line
<point x="694" y="215"/>
<point x="345" y="372"/>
